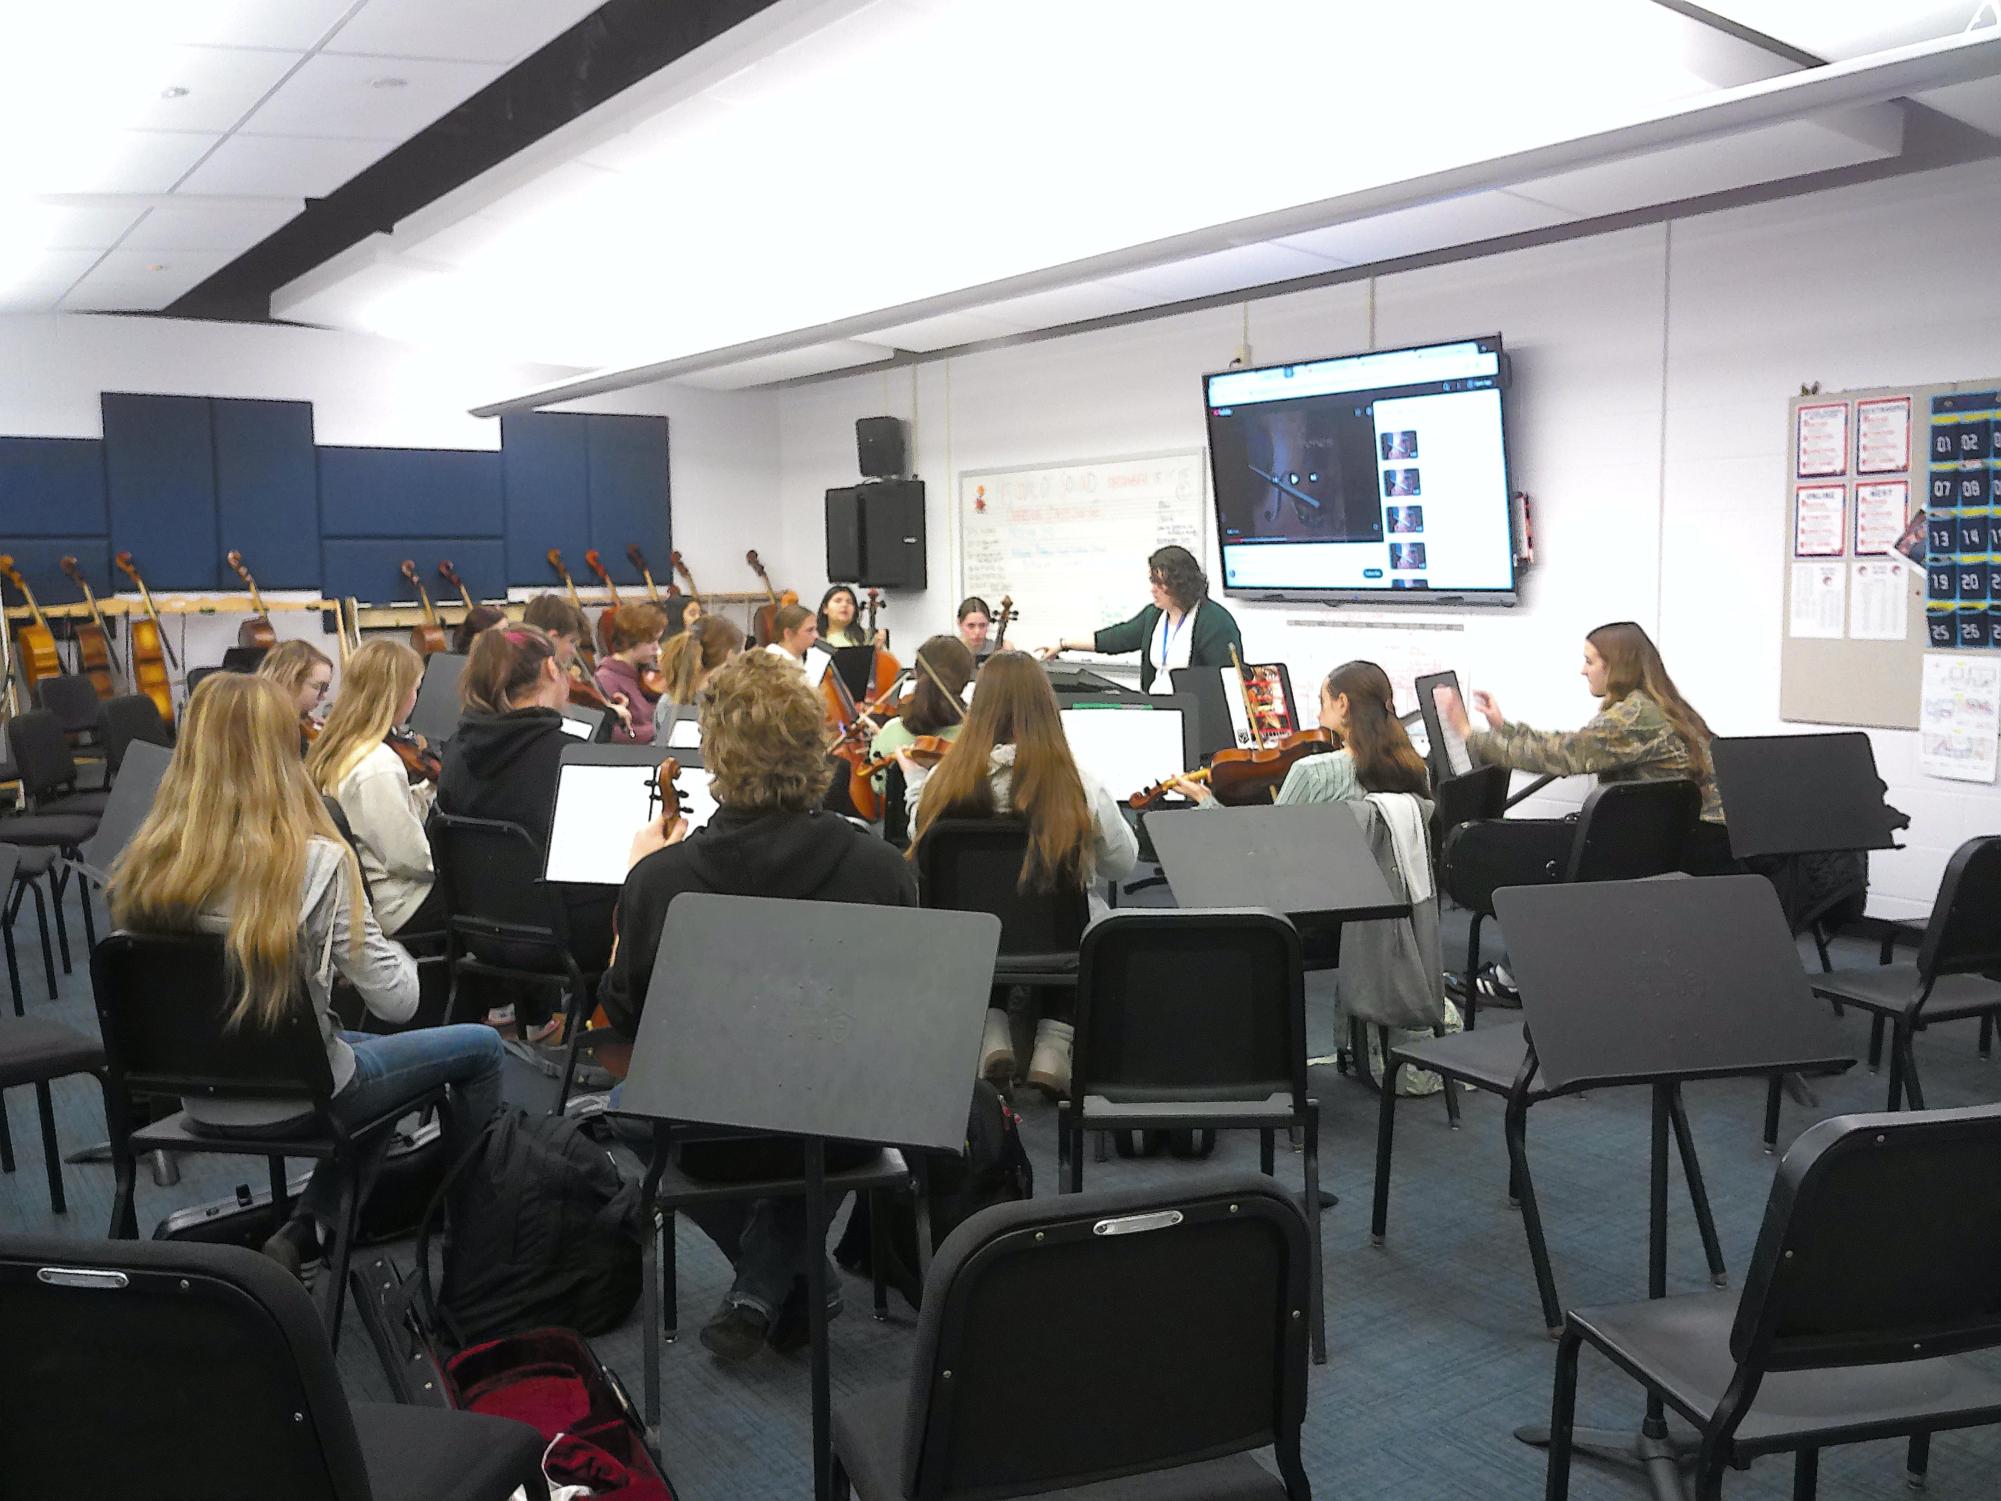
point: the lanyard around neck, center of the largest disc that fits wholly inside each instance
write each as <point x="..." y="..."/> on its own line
<point x="1167" y="639"/>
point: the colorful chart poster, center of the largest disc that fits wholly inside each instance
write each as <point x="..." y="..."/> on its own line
<point x="1819" y="602"/>
<point x="1959" y="717"/>
<point x="1883" y="435"/>
<point x="1820" y="521"/>
<point x="1879" y="607"/>
<point x="1879" y="516"/>
<point x="1821" y="441"/>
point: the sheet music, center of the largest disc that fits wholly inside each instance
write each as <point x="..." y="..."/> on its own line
<point x="684" y="734"/>
<point x="600" y="808"/>
<point x="576" y="727"/>
<point x="1126" y="749"/>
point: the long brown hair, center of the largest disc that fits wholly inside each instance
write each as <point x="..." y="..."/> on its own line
<point x="1016" y="706"/>
<point x="229" y="829"/>
<point x="506" y="664"/>
<point x="1385" y="760"/>
<point x="1632" y="661"/>
<point x="935" y="703"/>
<point x="692" y="654"/>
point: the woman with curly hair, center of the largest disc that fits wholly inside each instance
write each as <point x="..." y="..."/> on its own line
<point x="1183" y="627"/>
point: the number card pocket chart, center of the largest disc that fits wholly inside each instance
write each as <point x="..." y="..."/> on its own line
<point x="1964" y="479"/>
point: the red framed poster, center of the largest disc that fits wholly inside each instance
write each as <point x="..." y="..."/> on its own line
<point x="1883" y="435"/>
<point x="1820" y="440"/>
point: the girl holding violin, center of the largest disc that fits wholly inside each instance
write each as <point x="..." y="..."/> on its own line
<point x="354" y="763"/>
<point x="935" y="709"/>
<point x="1011" y="757"/>
<point x="686" y="662"/>
<point x="304" y="673"/>
<point x="631" y="672"/>
<point x="1183" y="627"/>
<point x="839" y="620"/>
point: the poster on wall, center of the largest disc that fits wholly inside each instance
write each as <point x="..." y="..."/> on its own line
<point x="1879" y="516"/>
<point x="1883" y="435"/>
<point x="1819" y="601"/>
<point x="1959" y="717"/>
<point x="1820" y="521"/>
<point x="1820" y="441"/>
<point x="1879" y="601"/>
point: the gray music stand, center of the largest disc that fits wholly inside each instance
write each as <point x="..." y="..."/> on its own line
<point x="781" y="1016"/>
<point x="1305" y="861"/>
<point x="1657" y="982"/>
<point x="436" y="714"/>
<point x="131" y="800"/>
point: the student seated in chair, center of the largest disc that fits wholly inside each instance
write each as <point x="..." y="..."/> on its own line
<point x="1011" y="757"/>
<point x="936" y="704"/>
<point x="635" y="651"/>
<point x="565" y="625"/>
<point x="764" y="747"/>
<point x="304" y="672"/>
<point x="240" y="843"/>
<point x="687" y="661"/>
<point x="353" y="764"/>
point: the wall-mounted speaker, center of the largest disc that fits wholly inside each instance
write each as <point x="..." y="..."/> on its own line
<point x="875" y="534"/>
<point x="879" y="447"/>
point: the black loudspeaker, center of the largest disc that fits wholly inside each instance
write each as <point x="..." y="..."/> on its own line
<point x="879" y="447"/>
<point x="875" y="534"/>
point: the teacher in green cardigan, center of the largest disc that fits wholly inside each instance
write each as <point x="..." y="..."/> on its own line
<point x="1183" y="627"/>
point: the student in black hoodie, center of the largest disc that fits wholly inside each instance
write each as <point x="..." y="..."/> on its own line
<point x="764" y="747"/>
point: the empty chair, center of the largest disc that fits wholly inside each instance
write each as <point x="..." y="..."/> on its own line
<point x="122" y="720"/>
<point x="48" y="770"/>
<point x="1877" y="1271"/>
<point x="1179" y="1323"/>
<point x="173" y="1369"/>
<point x="1193" y="1021"/>
<point x="1950" y="980"/>
<point x="34" y="1051"/>
<point x="73" y="700"/>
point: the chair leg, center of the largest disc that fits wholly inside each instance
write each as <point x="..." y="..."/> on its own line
<point x="1918" y="1460"/>
<point x="1896" y="1069"/>
<point x="13" y="959"/>
<point x="1386" y="1122"/>
<point x="1267" y="1153"/>
<point x="1077" y="1153"/>
<point x="878" y="1253"/>
<point x="1516" y="1128"/>
<point x="1318" y="1287"/>
<point x="1986" y="1017"/>
<point x="1774" y="1095"/>
<point x="1473" y="969"/>
<point x="1451" y="1091"/>
<point x="50" y="1155"/>
<point x="573" y="1027"/>
<point x="1063" y="1145"/>
<point x="1691" y="1169"/>
<point x="1913" y="1090"/>
<point x="89" y="917"/>
<point x="62" y="928"/>
<point x="1291" y="1472"/>
<point x="125" y="1175"/>
<point x="1562" y="1416"/>
<point x="922" y="1175"/>
<point x="1806" y="1475"/>
<point x="6" y="1138"/>
<point x="42" y="923"/>
<point x="837" y="1479"/>
<point x="333" y="1273"/>
<point x="1876" y="1023"/>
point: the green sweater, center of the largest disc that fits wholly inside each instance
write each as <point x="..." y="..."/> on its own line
<point x="1215" y="632"/>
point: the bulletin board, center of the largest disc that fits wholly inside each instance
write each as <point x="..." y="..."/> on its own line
<point x="1069" y="542"/>
<point x="1859" y="618"/>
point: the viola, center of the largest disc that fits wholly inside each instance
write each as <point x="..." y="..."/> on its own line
<point x="256" y="631"/>
<point x="429" y="636"/>
<point x="764" y="623"/>
<point x="93" y="639"/>
<point x="1252" y="775"/>
<point x="151" y="653"/>
<point x="418" y="759"/>
<point x="36" y="640"/>
<point x="661" y="794"/>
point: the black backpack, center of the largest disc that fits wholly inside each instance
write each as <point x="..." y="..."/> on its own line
<point x="993" y="1169"/>
<point x="542" y="1229"/>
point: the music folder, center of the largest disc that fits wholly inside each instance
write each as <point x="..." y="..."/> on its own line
<point x="605" y="794"/>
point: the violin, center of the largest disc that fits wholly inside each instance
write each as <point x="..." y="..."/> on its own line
<point x="764" y="623"/>
<point x="309" y="728"/>
<point x="93" y="639"/>
<point x="1252" y="775"/>
<point x="256" y="631"/>
<point x="1007" y="613"/>
<point x="36" y="640"/>
<point x="418" y="759"/>
<point x="429" y="636"/>
<point x="925" y="750"/>
<point x="151" y="652"/>
<point x="663" y="798"/>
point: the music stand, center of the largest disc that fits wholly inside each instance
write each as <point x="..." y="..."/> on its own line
<point x="1656" y="982"/>
<point x="604" y="795"/>
<point x="131" y="800"/>
<point x="1437" y="744"/>
<point x="1803" y="795"/>
<point x="1070" y="678"/>
<point x="795" y="998"/>
<point x="436" y="714"/>
<point x="1305" y="861"/>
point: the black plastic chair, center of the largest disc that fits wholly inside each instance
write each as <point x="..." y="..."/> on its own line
<point x="72" y="699"/>
<point x="30" y="865"/>
<point x="163" y="1005"/>
<point x="504" y="922"/>
<point x="173" y="1369"/>
<point x="198" y="675"/>
<point x="48" y="770"/>
<point x="122" y="720"/>
<point x="1877" y="1271"/>
<point x="1625" y="831"/>
<point x="1194" y="1021"/>
<point x="34" y="1051"/>
<point x="1952" y="978"/>
<point x="974" y="865"/>
<point x="1180" y="1319"/>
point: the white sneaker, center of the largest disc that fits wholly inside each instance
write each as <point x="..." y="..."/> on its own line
<point x="997" y="1048"/>
<point x="1049" y="1064"/>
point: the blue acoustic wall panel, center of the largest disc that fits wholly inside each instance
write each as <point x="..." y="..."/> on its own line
<point x="52" y="486"/>
<point x="409" y="492"/>
<point x="159" y="465"/>
<point x="547" y="463"/>
<point x="267" y="489"/>
<point x="39" y="561"/>
<point x="628" y="488"/>
<point x="371" y="568"/>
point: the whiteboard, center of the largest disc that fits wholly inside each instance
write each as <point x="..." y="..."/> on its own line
<point x="1070" y="541"/>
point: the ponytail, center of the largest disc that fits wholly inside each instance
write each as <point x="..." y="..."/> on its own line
<point x="505" y="664"/>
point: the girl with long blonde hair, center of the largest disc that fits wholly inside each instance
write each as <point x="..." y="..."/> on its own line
<point x="687" y="661"/>
<point x="352" y="764"/>
<point x="240" y="844"/>
<point x="1011" y="757"/>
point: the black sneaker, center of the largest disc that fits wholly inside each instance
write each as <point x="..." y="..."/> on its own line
<point x="736" y="1333"/>
<point x="296" y="1248"/>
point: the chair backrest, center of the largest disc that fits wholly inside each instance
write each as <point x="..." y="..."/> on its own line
<point x="163" y="1004"/>
<point x="1630" y="830"/>
<point x="974" y="865"/>
<point x="166" y="1368"/>
<point x="1481" y="793"/>
<point x="41" y="752"/>
<point x="1190" y="1004"/>
<point x="895" y="816"/>
<point x="496" y="901"/>
<point x="1963" y="936"/>
<point x="1180" y="1315"/>
<point x="72" y="698"/>
<point x="129" y="717"/>
<point x="1881" y="1242"/>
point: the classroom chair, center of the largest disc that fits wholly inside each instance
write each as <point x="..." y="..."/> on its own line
<point x="163" y="1006"/>
<point x="1877" y="1272"/>
<point x="72" y="699"/>
<point x="167" y="1368"/>
<point x="122" y="720"/>
<point x="48" y="770"/>
<point x="34" y="1051"/>
<point x="1194" y="1021"/>
<point x="1952" y="977"/>
<point x="1181" y="1321"/>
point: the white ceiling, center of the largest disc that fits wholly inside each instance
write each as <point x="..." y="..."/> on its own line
<point x="119" y="193"/>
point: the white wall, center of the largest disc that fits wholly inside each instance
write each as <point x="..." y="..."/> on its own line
<point x="1652" y="368"/>
<point x="369" y="392"/>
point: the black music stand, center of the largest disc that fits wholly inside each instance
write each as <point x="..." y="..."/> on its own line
<point x="131" y="799"/>
<point x="1305" y="861"/>
<point x="1657" y="982"/>
<point x="1436" y="755"/>
<point x="436" y="713"/>
<point x="794" y="998"/>
<point x="1803" y="795"/>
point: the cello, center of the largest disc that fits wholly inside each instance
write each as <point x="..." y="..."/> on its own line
<point x="429" y="636"/>
<point x="1007" y="613"/>
<point x="680" y="567"/>
<point x="36" y="640"/>
<point x="764" y="623"/>
<point x="451" y="576"/>
<point x="93" y="640"/>
<point x="595" y="561"/>
<point x="884" y="669"/>
<point x="638" y="559"/>
<point x="151" y="653"/>
<point x="256" y="631"/>
<point x="584" y="652"/>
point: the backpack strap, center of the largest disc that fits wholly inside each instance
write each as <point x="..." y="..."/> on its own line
<point x="426" y="1301"/>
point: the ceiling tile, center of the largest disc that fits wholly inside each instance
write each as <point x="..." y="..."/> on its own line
<point x="47" y="274"/>
<point x="114" y="161"/>
<point x="1841" y="29"/>
<point x="1098" y="299"/>
<point x="224" y="227"/>
<point x="941" y="333"/>
<point x="282" y="166"/>
<point x="336" y="96"/>
<point x="64" y="227"/>
<point x="128" y="281"/>
<point x="840" y="354"/>
<point x="223" y="85"/>
<point x="474" y="31"/>
<point x="296" y="25"/>
<point x="1225" y="271"/>
<point x="28" y="300"/>
<point x="1431" y="226"/>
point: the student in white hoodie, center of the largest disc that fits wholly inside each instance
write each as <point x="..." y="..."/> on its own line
<point x="1011" y="757"/>
<point x="240" y="843"/>
<point x="352" y="764"/>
